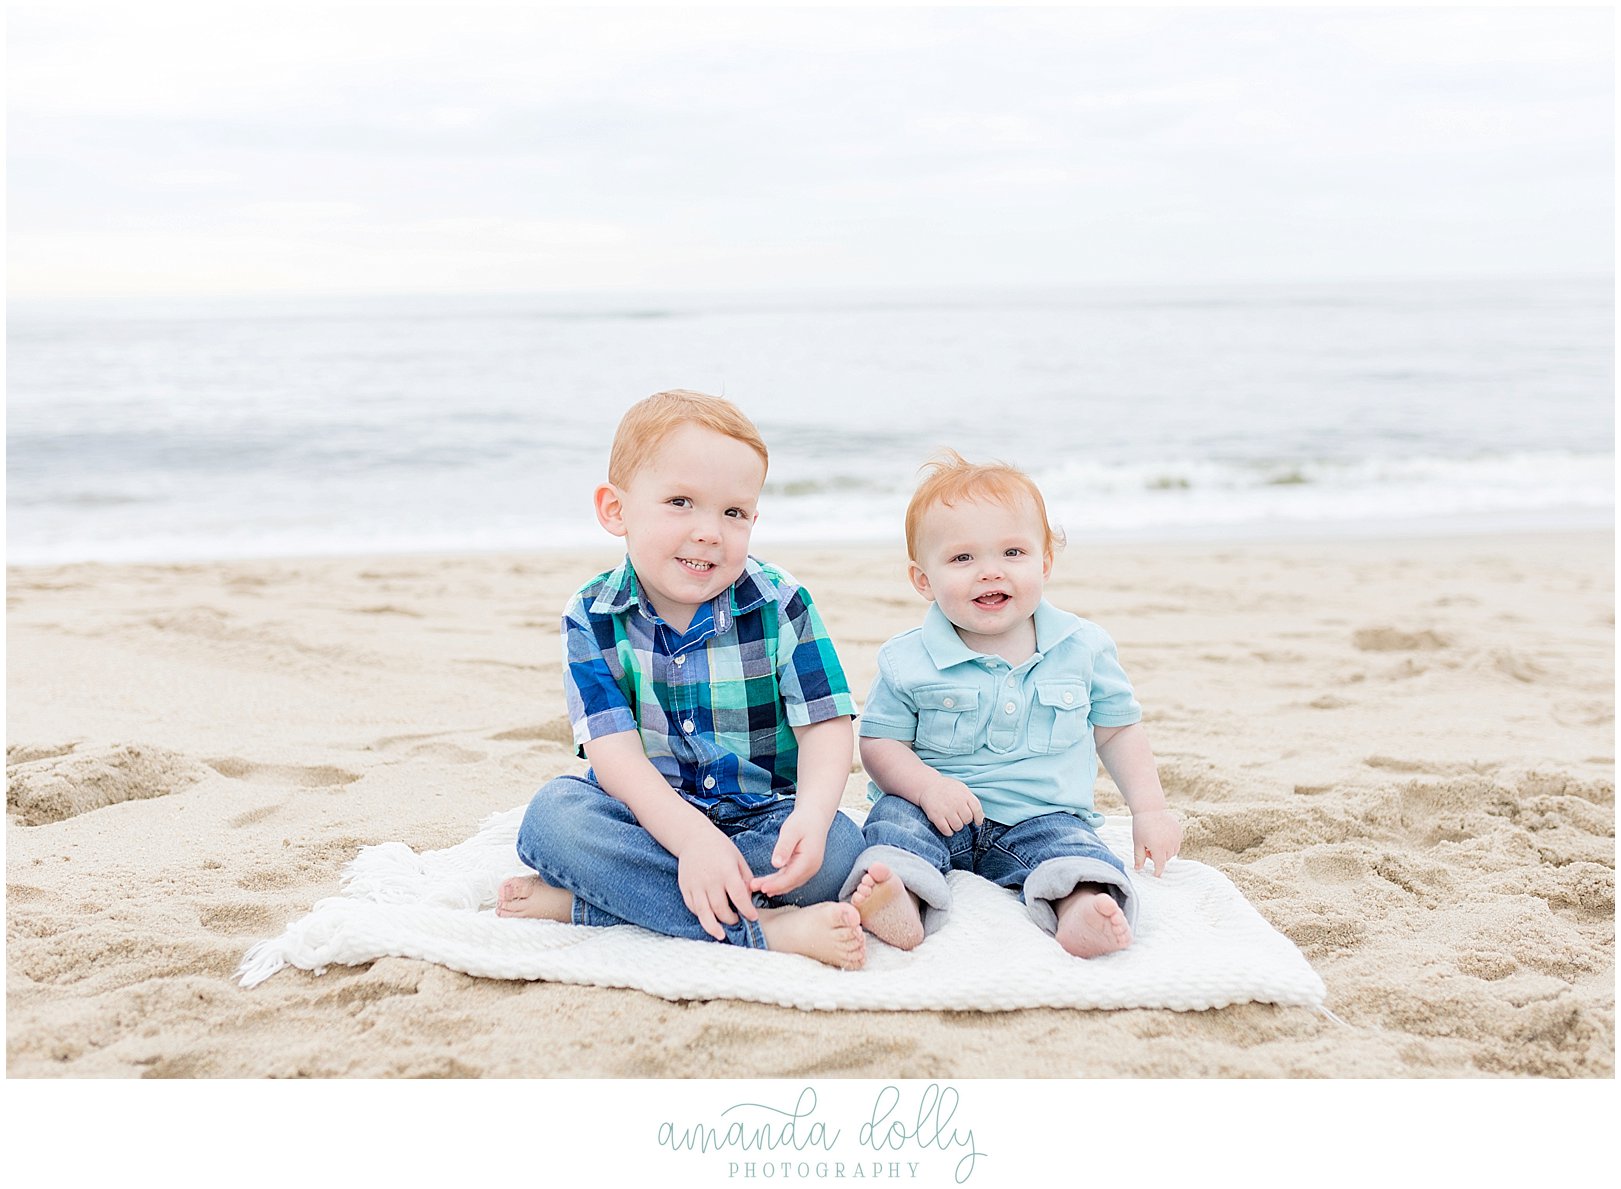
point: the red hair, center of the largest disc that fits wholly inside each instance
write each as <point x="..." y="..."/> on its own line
<point x="647" y="422"/>
<point x="952" y="479"/>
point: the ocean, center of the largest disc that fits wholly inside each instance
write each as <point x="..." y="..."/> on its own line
<point x="183" y="430"/>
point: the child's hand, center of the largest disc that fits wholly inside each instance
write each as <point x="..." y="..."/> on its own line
<point x="801" y="843"/>
<point x="1157" y="835"/>
<point x="714" y="876"/>
<point x="949" y="805"/>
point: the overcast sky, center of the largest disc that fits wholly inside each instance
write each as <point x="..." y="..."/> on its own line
<point x="158" y="147"/>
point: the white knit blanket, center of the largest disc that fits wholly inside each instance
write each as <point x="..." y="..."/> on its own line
<point x="1199" y="943"/>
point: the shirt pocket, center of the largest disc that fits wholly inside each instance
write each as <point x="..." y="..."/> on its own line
<point x="947" y="719"/>
<point x="1058" y="720"/>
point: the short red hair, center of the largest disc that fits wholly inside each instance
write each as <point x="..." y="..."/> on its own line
<point x="649" y="421"/>
<point x="951" y="479"/>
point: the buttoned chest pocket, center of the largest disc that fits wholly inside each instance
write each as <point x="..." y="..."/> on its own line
<point x="1058" y="719"/>
<point x="947" y="719"/>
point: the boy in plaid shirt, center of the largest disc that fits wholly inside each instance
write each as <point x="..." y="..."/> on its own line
<point x="708" y="699"/>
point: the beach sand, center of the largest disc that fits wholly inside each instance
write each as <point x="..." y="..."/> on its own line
<point x="1401" y="751"/>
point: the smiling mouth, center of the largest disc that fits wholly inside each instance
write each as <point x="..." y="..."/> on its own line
<point x="697" y="567"/>
<point x="991" y="601"/>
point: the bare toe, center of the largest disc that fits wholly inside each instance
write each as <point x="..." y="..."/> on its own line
<point x="1092" y="925"/>
<point x="889" y="911"/>
<point x="830" y="933"/>
<point x="527" y="896"/>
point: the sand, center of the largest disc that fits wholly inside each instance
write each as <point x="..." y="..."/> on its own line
<point x="1401" y="751"/>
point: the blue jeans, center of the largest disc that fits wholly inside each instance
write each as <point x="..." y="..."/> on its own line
<point x="1043" y="857"/>
<point x="579" y="838"/>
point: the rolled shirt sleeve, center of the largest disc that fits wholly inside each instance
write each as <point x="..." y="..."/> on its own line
<point x="597" y="705"/>
<point x="1113" y="702"/>
<point x="809" y="675"/>
<point x="887" y="713"/>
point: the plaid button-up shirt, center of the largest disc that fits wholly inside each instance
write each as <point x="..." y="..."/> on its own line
<point x="715" y="705"/>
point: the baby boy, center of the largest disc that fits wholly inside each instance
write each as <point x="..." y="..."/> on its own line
<point x="984" y="729"/>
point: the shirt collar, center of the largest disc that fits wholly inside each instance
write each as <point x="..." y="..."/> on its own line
<point x="621" y="591"/>
<point x="1053" y="626"/>
<point x="618" y="591"/>
<point x="940" y="640"/>
<point x="751" y="589"/>
<point x="945" y="647"/>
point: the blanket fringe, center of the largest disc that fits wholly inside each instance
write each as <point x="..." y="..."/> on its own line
<point x="262" y="961"/>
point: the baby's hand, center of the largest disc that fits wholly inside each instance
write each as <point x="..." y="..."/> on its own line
<point x="713" y="876"/>
<point x="950" y="805"/>
<point x="1157" y="835"/>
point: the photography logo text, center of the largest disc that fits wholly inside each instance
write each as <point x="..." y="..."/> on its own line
<point x="895" y="1139"/>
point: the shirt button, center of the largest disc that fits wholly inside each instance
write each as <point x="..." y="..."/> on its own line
<point x="1010" y="707"/>
<point x="709" y="782"/>
<point x="1068" y="698"/>
<point x="949" y="703"/>
<point x="687" y="726"/>
<point x="680" y="660"/>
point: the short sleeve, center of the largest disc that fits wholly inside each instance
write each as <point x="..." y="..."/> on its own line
<point x="1113" y="702"/>
<point x="887" y="714"/>
<point x="809" y="675"/>
<point x="597" y="706"/>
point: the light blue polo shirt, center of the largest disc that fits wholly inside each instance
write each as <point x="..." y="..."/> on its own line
<point x="1020" y="737"/>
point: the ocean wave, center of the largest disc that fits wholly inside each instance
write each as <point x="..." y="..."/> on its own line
<point x="1165" y="494"/>
<point x="1198" y="495"/>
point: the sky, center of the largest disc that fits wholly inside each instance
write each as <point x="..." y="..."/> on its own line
<point x="167" y="148"/>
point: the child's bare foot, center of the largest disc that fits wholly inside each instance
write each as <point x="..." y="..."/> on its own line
<point x="1091" y="923"/>
<point x="526" y="896"/>
<point x="829" y="933"/>
<point x="887" y="909"/>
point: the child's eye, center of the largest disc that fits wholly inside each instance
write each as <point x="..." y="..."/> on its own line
<point x="963" y="557"/>
<point x="1015" y="551"/>
<point x="679" y="501"/>
<point x="737" y="513"/>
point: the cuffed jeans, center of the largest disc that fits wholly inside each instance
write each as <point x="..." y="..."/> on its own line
<point x="579" y="838"/>
<point x="1043" y="857"/>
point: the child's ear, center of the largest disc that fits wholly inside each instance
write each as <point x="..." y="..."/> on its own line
<point x="610" y="507"/>
<point x="1047" y="566"/>
<point x="920" y="581"/>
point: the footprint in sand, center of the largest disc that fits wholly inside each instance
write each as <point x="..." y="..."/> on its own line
<point x="241" y="918"/>
<point x="1454" y="809"/>
<point x="1194" y="780"/>
<point x="64" y="784"/>
<point x="253" y="815"/>
<point x="426" y="747"/>
<point x="487" y="662"/>
<point x="273" y="879"/>
<point x="208" y="622"/>
<point x="557" y="730"/>
<point x="1430" y="768"/>
<point x="1329" y="702"/>
<point x="24" y="753"/>
<point x="318" y="776"/>
<point x="1235" y="831"/>
<point x="1386" y="639"/>
<point x="1337" y="863"/>
<point x="1511" y="664"/>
